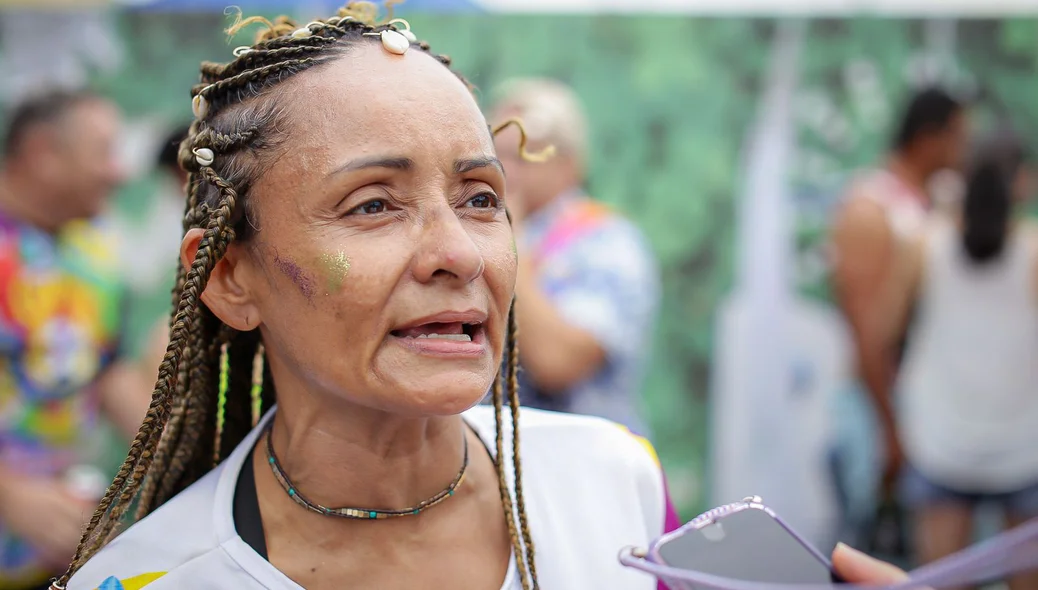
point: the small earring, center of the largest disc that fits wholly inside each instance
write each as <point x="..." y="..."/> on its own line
<point x="257" y="385"/>
<point x="221" y="400"/>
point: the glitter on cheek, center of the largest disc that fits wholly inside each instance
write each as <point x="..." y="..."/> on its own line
<point x="297" y="275"/>
<point x="336" y="267"/>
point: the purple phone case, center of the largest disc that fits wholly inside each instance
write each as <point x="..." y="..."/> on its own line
<point x="1008" y="553"/>
<point x="716" y="515"/>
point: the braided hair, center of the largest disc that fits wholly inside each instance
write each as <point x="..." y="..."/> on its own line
<point x="187" y="431"/>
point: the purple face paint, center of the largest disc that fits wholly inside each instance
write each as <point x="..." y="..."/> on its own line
<point x="297" y="275"/>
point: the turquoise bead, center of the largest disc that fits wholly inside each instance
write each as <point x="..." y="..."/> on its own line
<point x="291" y="492"/>
<point x="271" y="460"/>
<point x="373" y="514"/>
<point x="416" y="511"/>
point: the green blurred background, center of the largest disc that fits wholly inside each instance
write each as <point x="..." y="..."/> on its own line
<point x="671" y="100"/>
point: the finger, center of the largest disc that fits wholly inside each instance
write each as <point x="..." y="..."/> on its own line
<point x="857" y="568"/>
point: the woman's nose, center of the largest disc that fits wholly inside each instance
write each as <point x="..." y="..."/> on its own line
<point x="447" y="250"/>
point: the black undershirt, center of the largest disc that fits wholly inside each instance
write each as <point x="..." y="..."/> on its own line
<point x="247" y="519"/>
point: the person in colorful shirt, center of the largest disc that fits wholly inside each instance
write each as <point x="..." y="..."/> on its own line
<point x="61" y="310"/>
<point x="588" y="285"/>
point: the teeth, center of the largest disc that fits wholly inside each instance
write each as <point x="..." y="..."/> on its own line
<point x="458" y="337"/>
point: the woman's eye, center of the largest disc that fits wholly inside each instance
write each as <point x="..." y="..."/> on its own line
<point x="369" y="208"/>
<point x="483" y="201"/>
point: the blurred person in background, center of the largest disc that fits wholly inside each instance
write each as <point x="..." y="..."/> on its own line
<point x="151" y="264"/>
<point x="60" y="326"/>
<point x="968" y="385"/>
<point x="588" y="285"/>
<point x="882" y="210"/>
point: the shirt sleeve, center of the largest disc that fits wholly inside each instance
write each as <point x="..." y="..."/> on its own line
<point x="608" y="286"/>
<point x="671" y="520"/>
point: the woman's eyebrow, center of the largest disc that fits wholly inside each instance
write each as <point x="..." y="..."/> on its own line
<point x="470" y="164"/>
<point x="391" y="162"/>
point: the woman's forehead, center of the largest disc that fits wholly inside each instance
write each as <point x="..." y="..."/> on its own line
<point x="370" y="99"/>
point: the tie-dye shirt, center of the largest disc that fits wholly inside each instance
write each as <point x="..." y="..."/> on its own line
<point x="598" y="271"/>
<point x="60" y="318"/>
<point x="591" y="489"/>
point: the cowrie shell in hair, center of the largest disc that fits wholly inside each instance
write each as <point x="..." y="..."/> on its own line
<point x="302" y="33"/>
<point x="199" y="106"/>
<point x="204" y="156"/>
<point x="240" y="51"/>
<point x="394" y="42"/>
<point x="409" y="36"/>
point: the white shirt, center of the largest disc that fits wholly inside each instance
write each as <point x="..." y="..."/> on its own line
<point x="591" y="489"/>
<point x="968" y="389"/>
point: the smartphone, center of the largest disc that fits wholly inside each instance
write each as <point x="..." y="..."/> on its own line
<point x="743" y="541"/>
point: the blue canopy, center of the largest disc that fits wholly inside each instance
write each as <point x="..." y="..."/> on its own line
<point x="251" y="6"/>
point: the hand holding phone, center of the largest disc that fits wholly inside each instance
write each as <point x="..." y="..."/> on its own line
<point x="744" y="541"/>
<point x="745" y="546"/>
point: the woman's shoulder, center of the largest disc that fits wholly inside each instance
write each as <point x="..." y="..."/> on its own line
<point x="179" y="532"/>
<point x="583" y="474"/>
<point x="583" y="447"/>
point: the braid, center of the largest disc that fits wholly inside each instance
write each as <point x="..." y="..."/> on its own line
<point x="239" y="126"/>
<point x="185" y="408"/>
<point x="139" y="458"/>
<point x="213" y="72"/>
<point x="513" y="401"/>
<point x="227" y="142"/>
<point x="179" y="411"/>
<point x="209" y="252"/>
<point x="502" y="482"/>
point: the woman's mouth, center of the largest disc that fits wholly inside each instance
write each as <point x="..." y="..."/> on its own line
<point x="454" y="339"/>
<point x="457" y="331"/>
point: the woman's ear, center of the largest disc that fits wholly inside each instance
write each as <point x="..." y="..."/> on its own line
<point x="226" y="294"/>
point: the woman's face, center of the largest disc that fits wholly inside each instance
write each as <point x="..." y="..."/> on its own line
<point x="383" y="267"/>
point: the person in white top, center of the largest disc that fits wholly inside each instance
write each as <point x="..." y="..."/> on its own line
<point x="882" y="209"/>
<point x="348" y="255"/>
<point x="967" y="393"/>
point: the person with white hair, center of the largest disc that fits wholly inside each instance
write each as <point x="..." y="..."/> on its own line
<point x="588" y="284"/>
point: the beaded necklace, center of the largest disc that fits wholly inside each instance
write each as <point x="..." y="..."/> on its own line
<point x="360" y="513"/>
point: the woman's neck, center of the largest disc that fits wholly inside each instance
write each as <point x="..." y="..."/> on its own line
<point x="350" y="456"/>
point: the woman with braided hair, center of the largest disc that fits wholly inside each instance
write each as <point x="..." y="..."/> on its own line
<point x="347" y="255"/>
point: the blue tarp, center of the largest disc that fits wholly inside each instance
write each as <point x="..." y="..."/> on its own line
<point x="252" y="6"/>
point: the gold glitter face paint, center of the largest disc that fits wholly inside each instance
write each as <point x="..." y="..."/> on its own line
<point x="336" y="267"/>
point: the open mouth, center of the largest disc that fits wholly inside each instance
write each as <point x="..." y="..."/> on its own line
<point x="454" y="331"/>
